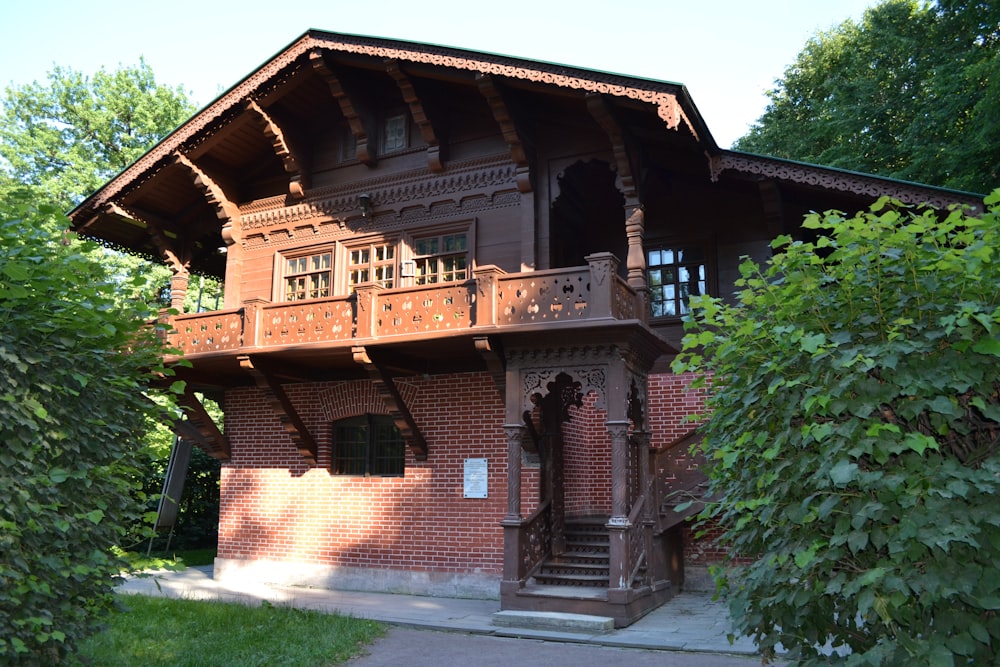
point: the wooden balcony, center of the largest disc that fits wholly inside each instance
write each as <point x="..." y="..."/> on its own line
<point x="321" y="331"/>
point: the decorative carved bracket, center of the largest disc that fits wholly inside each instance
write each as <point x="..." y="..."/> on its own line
<point x="286" y="413"/>
<point x="292" y="161"/>
<point x="515" y="141"/>
<point x="621" y="143"/>
<point x="420" y="117"/>
<point x="394" y="401"/>
<point x="225" y="209"/>
<point x="492" y="353"/>
<point x="177" y="259"/>
<point x="348" y="107"/>
<point x="201" y="429"/>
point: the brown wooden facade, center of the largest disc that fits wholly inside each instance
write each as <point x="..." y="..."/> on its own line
<point x="382" y="211"/>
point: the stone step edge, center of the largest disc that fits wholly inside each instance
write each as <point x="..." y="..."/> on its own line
<point x="551" y="620"/>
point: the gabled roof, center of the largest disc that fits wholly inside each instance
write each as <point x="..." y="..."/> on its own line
<point x="250" y="126"/>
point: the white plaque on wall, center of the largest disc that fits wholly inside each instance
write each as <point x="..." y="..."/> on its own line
<point x="476" y="478"/>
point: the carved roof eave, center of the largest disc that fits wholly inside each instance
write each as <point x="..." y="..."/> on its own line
<point x="671" y="101"/>
<point x="840" y="180"/>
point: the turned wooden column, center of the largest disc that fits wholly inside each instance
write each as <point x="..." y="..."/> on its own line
<point x="515" y="434"/>
<point x="179" y="289"/>
<point x="635" y="226"/>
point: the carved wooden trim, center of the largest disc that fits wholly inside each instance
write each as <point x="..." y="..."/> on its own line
<point x="364" y="152"/>
<point x="202" y="427"/>
<point x="409" y="92"/>
<point x="833" y="179"/>
<point x="508" y="127"/>
<point x="663" y="96"/>
<point x="282" y="405"/>
<point x="294" y="166"/>
<point x="394" y="400"/>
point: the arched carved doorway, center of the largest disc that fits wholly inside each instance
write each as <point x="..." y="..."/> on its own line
<point x="587" y="216"/>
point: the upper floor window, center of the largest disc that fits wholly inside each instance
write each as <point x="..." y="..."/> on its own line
<point x="441" y="259"/>
<point x="368" y="445"/>
<point x="308" y="276"/>
<point x="371" y="263"/>
<point x="674" y="274"/>
<point x="394" y="133"/>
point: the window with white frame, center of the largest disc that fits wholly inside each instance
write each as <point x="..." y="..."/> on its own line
<point x="308" y="276"/>
<point x="674" y="273"/>
<point x="371" y="263"/>
<point x="441" y="259"/>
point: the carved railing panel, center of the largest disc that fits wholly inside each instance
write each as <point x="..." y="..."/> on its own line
<point x="544" y="296"/>
<point x="208" y="332"/>
<point x="624" y="303"/>
<point x="306" y="322"/>
<point x="535" y="540"/>
<point x="536" y="297"/>
<point x="423" y="309"/>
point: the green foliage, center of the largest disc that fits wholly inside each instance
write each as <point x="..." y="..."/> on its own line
<point x="179" y="633"/>
<point x="75" y="375"/>
<point x="910" y="92"/>
<point x="70" y="135"/>
<point x="854" y="436"/>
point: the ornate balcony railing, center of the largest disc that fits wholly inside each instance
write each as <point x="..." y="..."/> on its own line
<point x="492" y="298"/>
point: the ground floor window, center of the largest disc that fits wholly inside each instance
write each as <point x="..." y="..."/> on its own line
<point x="368" y="445"/>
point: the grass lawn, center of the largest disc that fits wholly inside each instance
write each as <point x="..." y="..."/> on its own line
<point x="156" y="632"/>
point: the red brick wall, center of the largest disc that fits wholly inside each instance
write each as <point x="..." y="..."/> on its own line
<point x="274" y="506"/>
<point x="587" y="458"/>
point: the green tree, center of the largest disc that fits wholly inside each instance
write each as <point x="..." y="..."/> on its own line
<point x="68" y="136"/>
<point x="912" y="91"/>
<point x="77" y="371"/>
<point x="854" y="435"/>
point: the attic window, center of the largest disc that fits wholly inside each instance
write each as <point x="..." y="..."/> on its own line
<point x="394" y="133"/>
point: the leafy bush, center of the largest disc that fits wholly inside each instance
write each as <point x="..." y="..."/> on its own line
<point x="75" y="373"/>
<point x="853" y="434"/>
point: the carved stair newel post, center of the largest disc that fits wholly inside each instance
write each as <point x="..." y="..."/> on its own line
<point x="618" y="524"/>
<point x="511" y="523"/>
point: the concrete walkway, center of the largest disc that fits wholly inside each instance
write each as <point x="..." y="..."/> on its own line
<point x="691" y="622"/>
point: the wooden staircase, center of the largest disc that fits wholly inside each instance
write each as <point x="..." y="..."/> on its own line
<point x="586" y="561"/>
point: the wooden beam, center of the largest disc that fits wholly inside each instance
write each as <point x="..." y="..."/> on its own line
<point x="349" y="107"/>
<point x="284" y="410"/>
<point x="401" y="415"/>
<point x="508" y="127"/>
<point x="293" y="162"/>
<point x="419" y="114"/>
<point x="199" y="427"/>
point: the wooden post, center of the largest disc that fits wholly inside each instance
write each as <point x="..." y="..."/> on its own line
<point x="603" y="270"/>
<point x="487" y="286"/>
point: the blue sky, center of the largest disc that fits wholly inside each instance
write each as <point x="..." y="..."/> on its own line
<point x="727" y="52"/>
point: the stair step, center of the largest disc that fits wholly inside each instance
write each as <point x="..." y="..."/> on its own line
<point x="576" y="556"/>
<point x="573" y="579"/>
<point x="570" y="568"/>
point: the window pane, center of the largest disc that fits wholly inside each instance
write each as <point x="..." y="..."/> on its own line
<point x="368" y="445"/>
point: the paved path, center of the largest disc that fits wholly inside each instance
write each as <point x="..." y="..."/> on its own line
<point x="688" y="630"/>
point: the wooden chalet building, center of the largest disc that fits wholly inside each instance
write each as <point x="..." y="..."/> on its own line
<point x="453" y="286"/>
